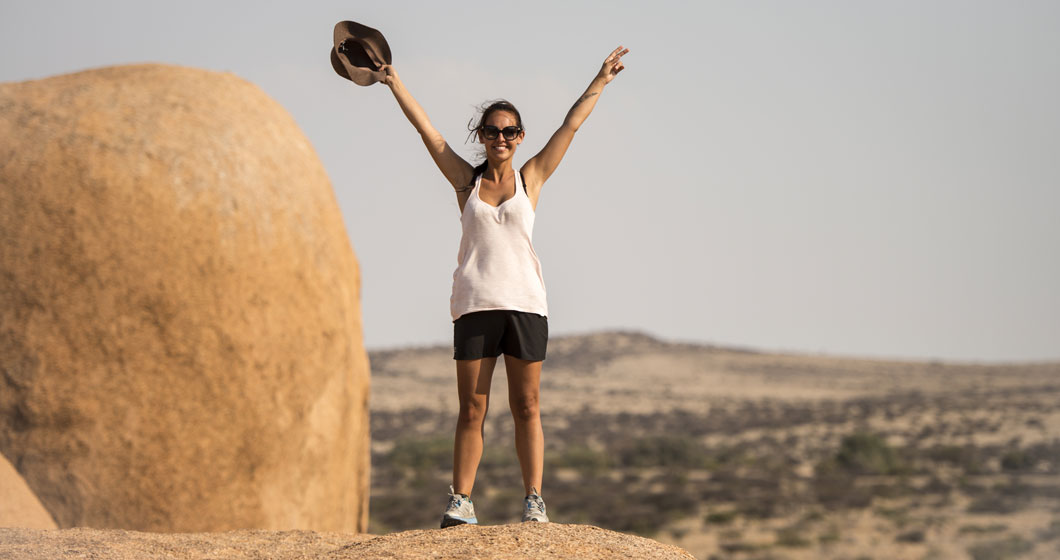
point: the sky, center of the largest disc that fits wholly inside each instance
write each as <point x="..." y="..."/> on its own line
<point x="849" y="178"/>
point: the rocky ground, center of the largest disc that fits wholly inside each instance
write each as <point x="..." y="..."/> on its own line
<point x="736" y="454"/>
<point x="520" y="541"/>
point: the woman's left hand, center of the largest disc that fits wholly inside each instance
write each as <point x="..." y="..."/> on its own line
<point x="612" y="65"/>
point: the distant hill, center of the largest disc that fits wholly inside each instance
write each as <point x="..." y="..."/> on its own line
<point x="636" y="372"/>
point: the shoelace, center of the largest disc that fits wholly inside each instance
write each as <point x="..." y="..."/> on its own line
<point x="455" y="500"/>
<point x="534" y="503"/>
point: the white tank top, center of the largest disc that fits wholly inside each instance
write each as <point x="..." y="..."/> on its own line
<point x="497" y="267"/>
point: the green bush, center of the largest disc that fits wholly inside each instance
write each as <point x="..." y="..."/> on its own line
<point x="867" y="453"/>
<point x="897" y="515"/>
<point x="830" y="535"/>
<point x="583" y="458"/>
<point x="664" y="451"/>
<point x="498" y="459"/>
<point x="421" y="454"/>
<point x="1017" y="460"/>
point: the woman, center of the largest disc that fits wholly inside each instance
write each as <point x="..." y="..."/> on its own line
<point x="498" y="302"/>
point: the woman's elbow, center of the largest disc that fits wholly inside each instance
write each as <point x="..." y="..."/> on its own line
<point x="433" y="140"/>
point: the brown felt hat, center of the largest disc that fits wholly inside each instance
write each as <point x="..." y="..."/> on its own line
<point x="359" y="52"/>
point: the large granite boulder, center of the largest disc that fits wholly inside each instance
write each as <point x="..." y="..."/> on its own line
<point x="19" y="506"/>
<point x="180" y="335"/>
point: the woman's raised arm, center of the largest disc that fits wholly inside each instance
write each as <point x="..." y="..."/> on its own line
<point x="456" y="170"/>
<point x="538" y="169"/>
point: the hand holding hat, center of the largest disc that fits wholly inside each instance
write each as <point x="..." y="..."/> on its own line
<point x="390" y="75"/>
<point x="359" y="53"/>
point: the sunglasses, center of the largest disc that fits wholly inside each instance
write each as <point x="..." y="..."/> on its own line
<point x="510" y="132"/>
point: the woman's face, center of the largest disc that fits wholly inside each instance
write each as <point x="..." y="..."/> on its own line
<point x="499" y="148"/>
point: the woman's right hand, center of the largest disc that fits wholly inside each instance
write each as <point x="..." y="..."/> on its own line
<point x="391" y="75"/>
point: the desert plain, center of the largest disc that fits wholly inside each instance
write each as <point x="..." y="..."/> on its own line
<point x="737" y="453"/>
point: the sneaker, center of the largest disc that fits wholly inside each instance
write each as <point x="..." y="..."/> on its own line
<point x="534" y="508"/>
<point x="460" y="510"/>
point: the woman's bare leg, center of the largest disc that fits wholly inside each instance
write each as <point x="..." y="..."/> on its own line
<point x="473" y="378"/>
<point x="524" y="391"/>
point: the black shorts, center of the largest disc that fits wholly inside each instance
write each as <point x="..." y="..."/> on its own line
<point x="488" y="334"/>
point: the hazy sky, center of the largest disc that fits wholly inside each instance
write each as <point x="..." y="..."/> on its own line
<point x="877" y="179"/>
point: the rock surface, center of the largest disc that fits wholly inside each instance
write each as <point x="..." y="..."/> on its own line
<point x="19" y="506"/>
<point x="525" y="540"/>
<point x="180" y="335"/>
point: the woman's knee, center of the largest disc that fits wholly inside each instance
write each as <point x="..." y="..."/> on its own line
<point x="525" y="407"/>
<point x="472" y="411"/>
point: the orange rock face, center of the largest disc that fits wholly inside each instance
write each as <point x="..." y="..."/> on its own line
<point x="180" y="335"/>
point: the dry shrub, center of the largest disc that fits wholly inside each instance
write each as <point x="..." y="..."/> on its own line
<point x="1004" y="498"/>
<point x="792" y="537"/>
<point x="965" y="457"/>
<point x="1051" y="532"/>
<point x="912" y="536"/>
<point x="586" y="460"/>
<point x="1004" y="549"/>
<point x="721" y="517"/>
<point x="836" y="488"/>
<point x="982" y="529"/>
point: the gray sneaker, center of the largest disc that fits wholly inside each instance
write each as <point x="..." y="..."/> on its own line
<point x="460" y="511"/>
<point x="534" y="508"/>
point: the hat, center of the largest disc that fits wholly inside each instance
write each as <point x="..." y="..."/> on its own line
<point x="358" y="53"/>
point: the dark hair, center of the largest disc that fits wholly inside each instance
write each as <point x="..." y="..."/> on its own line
<point x="485" y="110"/>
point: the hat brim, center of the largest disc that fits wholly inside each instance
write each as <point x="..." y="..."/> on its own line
<point x="371" y="40"/>
<point x="356" y="74"/>
<point x="366" y="50"/>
